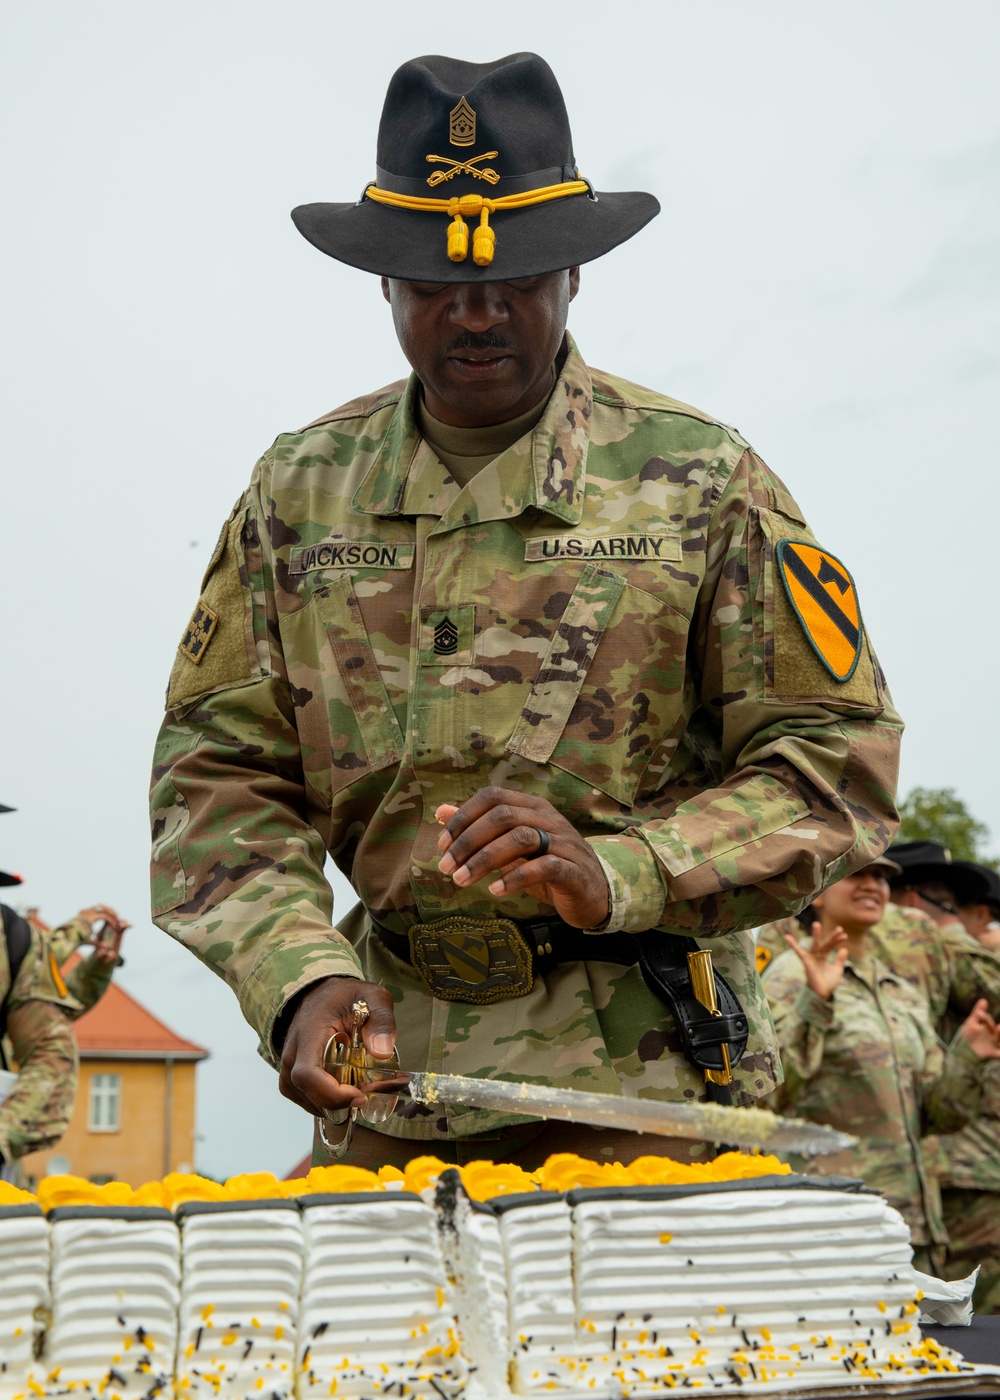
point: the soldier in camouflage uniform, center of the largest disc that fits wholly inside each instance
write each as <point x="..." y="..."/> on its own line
<point x="860" y="1054"/>
<point x="970" y="1176"/>
<point x="948" y="967"/>
<point x="38" y="1007"/>
<point x="578" y="623"/>
<point x="952" y="971"/>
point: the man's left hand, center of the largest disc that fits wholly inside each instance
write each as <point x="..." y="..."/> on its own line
<point x="500" y="832"/>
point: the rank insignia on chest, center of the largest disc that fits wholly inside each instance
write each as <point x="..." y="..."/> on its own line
<point x="824" y="599"/>
<point x="445" y="638"/>
<point x="199" y="633"/>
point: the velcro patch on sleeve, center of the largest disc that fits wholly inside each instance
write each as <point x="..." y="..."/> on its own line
<point x="215" y="651"/>
<point x="825" y="601"/>
<point x="199" y="632"/>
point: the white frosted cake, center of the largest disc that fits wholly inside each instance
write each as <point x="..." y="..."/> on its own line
<point x="376" y="1317"/>
<point x="780" y="1284"/>
<point x="478" y="1284"/>
<point x="239" y="1306"/>
<point x="24" y="1294"/>
<point x="115" y="1292"/>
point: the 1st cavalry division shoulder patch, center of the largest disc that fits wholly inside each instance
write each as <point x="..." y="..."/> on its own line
<point x="823" y="596"/>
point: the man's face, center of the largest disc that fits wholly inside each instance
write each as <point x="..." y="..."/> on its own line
<point x="483" y="351"/>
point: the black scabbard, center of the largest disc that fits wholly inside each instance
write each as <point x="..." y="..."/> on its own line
<point x="663" y="964"/>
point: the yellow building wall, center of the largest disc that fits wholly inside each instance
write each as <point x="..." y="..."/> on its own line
<point x="139" y="1150"/>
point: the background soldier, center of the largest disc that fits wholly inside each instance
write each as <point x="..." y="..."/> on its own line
<point x="979" y="910"/>
<point x="970" y="1173"/>
<point x="949" y="968"/>
<point x="579" y="624"/>
<point x="860" y="1054"/>
<point x="37" y="1008"/>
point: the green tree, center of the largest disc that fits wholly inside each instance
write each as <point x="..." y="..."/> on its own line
<point x="939" y="814"/>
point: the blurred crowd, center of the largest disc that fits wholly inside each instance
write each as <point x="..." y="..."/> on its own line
<point x="884" y="992"/>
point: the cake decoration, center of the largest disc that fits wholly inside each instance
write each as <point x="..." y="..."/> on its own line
<point x="481" y="1282"/>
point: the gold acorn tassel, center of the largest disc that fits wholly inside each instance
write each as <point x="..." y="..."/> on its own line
<point x="483" y="240"/>
<point x="458" y="238"/>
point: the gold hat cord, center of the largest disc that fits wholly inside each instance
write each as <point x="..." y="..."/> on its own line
<point x="468" y="205"/>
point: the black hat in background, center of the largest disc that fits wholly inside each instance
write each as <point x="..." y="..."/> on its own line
<point x="918" y="855"/>
<point x="930" y="861"/>
<point x="476" y="181"/>
<point x="983" y="886"/>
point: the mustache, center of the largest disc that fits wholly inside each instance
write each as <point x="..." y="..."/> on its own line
<point x="483" y="340"/>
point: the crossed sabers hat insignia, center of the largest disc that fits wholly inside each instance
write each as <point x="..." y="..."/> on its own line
<point x="464" y="167"/>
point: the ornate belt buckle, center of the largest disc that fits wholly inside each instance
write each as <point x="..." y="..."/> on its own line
<point x="474" y="960"/>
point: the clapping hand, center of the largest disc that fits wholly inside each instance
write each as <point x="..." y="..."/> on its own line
<point x="823" y="973"/>
<point x="982" y="1032"/>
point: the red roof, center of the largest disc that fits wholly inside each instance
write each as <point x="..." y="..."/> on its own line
<point x="121" y="1028"/>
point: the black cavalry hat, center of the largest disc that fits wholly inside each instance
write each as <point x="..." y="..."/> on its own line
<point x="983" y="886"/>
<point x="475" y="181"/>
<point x="930" y="861"/>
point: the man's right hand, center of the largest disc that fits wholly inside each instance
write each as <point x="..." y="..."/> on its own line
<point x="322" y="1011"/>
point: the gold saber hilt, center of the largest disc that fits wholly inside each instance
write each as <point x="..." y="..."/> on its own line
<point x="703" y="986"/>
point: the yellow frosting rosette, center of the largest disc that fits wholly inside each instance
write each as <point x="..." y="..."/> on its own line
<point x="740" y="1166"/>
<point x="482" y="1180"/>
<point x="11" y="1195"/>
<point x="421" y="1172"/>
<point x="181" y="1187"/>
<point x="54" y="1191"/>
<point x="255" y="1186"/>
<point x="337" y="1180"/>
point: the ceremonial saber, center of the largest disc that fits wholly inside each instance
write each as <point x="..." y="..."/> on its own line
<point x="710" y="1122"/>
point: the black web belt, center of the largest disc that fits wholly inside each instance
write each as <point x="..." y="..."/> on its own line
<point x="487" y="960"/>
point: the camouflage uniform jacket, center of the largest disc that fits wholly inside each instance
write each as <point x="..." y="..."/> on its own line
<point x="36" y="1112"/>
<point x="970" y="1159"/>
<point x="595" y="619"/>
<point x="946" y="965"/>
<point x="868" y="1062"/>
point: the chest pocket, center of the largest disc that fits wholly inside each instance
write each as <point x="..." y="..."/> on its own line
<point x="609" y="689"/>
<point x="346" y="722"/>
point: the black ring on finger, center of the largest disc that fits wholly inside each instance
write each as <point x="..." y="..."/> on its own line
<point x="543" y="842"/>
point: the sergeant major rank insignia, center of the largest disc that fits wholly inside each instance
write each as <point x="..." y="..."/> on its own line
<point x="445" y="638"/>
<point x="462" y="124"/>
<point x="824" y="599"/>
<point x="199" y="633"/>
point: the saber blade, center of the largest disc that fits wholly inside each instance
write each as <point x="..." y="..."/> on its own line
<point x="743" y="1127"/>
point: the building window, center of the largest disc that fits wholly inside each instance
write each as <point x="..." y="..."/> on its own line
<point x="105" y="1103"/>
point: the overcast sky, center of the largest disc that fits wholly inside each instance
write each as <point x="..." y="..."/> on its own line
<point x="824" y="275"/>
